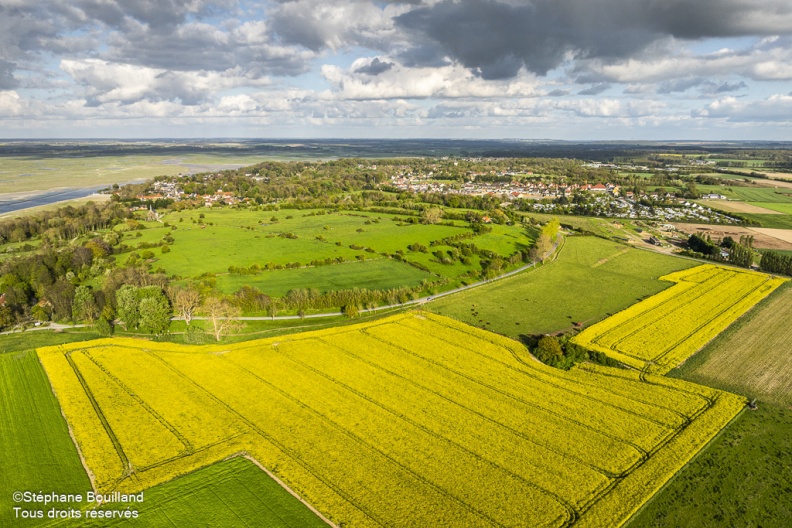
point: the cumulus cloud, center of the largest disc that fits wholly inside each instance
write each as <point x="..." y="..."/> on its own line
<point x="398" y="81"/>
<point x="159" y="15"/>
<point x="496" y="38"/>
<point x="595" y="89"/>
<point x="202" y="46"/>
<point x="317" y="24"/>
<point x="776" y="108"/>
<point x="725" y="87"/>
<point x="11" y="104"/>
<point x="124" y="83"/>
<point x="168" y="34"/>
<point x="28" y="28"/>
<point x="375" y="67"/>
<point x="400" y="62"/>
<point x="766" y="64"/>
<point x="515" y="109"/>
<point x="7" y="79"/>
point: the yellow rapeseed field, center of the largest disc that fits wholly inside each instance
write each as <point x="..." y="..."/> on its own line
<point x="660" y="332"/>
<point x="413" y="420"/>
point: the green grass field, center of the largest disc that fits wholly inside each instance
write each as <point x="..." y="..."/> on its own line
<point x="742" y="478"/>
<point x="242" y="237"/>
<point x="372" y="274"/>
<point x="774" y="199"/>
<point x="752" y="356"/>
<point x="750" y="194"/>
<point x="772" y="221"/>
<point x="604" y="227"/>
<point x="36" y="452"/>
<point x="782" y="251"/>
<point x="785" y="208"/>
<point x="22" y="341"/>
<point x="748" y="162"/>
<point x="231" y="493"/>
<point x="591" y="279"/>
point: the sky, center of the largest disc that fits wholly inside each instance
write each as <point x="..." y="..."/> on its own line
<point x="532" y="69"/>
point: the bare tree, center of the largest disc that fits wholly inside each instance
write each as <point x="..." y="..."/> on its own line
<point x="222" y="315"/>
<point x="186" y="301"/>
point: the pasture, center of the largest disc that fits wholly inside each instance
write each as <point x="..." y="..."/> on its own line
<point x="662" y="331"/>
<point x="370" y="274"/>
<point x="738" y="207"/>
<point x="413" y="419"/>
<point x="234" y="492"/>
<point x="751" y="194"/>
<point x="243" y="238"/>
<point x="604" y="227"/>
<point x="752" y="357"/>
<point x="782" y="208"/>
<point x="591" y="279"/>
<point x="741" y="478"/>
<point x="772" y="221"/>
<point x="36" y="452"/>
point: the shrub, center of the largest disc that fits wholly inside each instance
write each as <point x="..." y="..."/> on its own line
<point x="103" y="327"/>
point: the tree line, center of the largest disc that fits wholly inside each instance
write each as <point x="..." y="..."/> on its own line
<point x="63" y="223"/>
<point x="737" y="253"/>
<point x="774" y="262"/>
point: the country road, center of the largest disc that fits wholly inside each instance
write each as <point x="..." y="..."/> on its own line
<point x="423" y="300"/>
<point x="50" y="326"/>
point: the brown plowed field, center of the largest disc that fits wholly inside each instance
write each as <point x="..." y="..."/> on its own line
<point x="763" y="238"/>
<point x="737" y="207"/>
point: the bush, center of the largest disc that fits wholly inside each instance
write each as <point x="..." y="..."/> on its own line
<point x="602" y="358"/>
<point x="563" y="354"/>
<point x="548" y="350"/>
<point x="194" y="335"/>
<point x="103" y="327"/>
<point x="350" y="310"/>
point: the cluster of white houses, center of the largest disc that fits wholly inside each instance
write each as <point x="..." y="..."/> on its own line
<point x="609" y="199"/>
<point x="512" y="190"/>
<point x="622" y="207"/>
<point x="171" y="190"/>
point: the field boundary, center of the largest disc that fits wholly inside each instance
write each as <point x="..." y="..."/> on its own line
<point x="620" y="335"/>
<point x="587" y="488"/>
<point x="283" y="485"/>
<point x="700" y="452"/>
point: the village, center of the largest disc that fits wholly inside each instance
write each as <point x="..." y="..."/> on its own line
<point x="601" y="199"/>
<point x="585" y="199"/>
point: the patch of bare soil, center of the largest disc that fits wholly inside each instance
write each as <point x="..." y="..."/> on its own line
<point x="737" y="207"/>
<point x="762" y="239"/>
